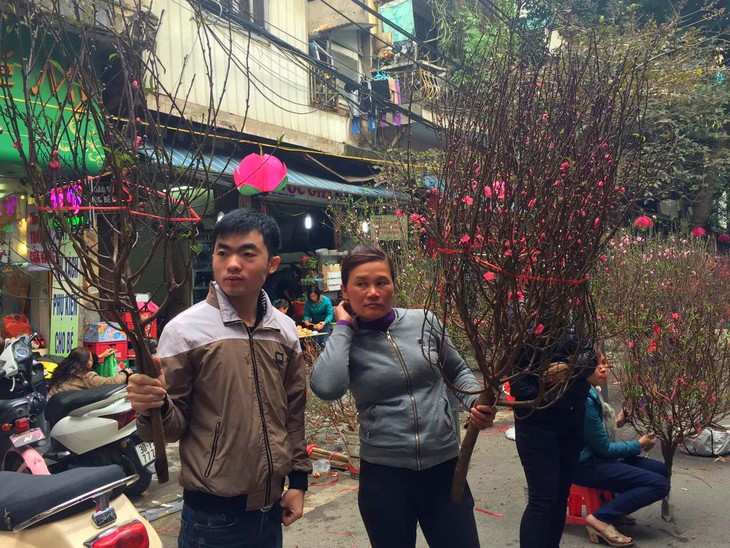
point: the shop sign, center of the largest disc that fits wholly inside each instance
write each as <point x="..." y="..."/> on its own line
<point x="64" y="305"/>
<point x="310" y="195"/>
<point x="56" y="100"/>
<point x="9" y="206"/>
<point x="11" y="240"/>
<point x="388" y="227"/>
<point x="36" y="253"/>
<point x="100" y="195"/>
<point x="9" y="210"/>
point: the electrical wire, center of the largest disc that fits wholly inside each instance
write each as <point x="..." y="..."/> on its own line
<point x="378" y="38"/>
<point x="285" y="46"/>
<point x="404" y="32"/>
<point x="251" y="75"/>
<point x="258" y="83"/>
<point x="286" y="53"/>
<point x="304" y="60"/>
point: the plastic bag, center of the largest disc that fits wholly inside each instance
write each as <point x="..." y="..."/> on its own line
<point x="15" y="325"/>
<point x="108" y="368"/>
<point x="712" y="441"/>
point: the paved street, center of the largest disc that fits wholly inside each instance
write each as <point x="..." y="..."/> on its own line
<point x="699" y="493"/>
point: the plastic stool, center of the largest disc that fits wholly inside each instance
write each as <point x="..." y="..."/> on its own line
<point x="507" y="393"/>
<point x="580" y="497"/>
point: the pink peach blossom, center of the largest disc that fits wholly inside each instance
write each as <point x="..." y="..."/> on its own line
<point x="643" y="222"/>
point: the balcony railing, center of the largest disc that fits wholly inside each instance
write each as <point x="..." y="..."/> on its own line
<point x="422" y="83"/>
<point x="323" y="90"/>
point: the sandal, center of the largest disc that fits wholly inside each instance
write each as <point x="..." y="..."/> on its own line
<point x="610" y="535"/>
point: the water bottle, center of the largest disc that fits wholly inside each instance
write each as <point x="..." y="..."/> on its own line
<point x="321" y="466"/>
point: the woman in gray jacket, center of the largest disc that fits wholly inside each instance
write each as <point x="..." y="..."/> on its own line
<point x="409" y="442"/>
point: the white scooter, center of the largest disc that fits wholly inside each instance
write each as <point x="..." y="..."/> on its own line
<point x="96" y="427"/>
<point x="80" y="507"/>
<point x="23" y="429"/>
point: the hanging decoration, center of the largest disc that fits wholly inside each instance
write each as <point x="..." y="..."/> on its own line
<point x="260" y="173"/>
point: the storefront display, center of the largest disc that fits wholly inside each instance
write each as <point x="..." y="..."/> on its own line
<point x="202" y="270"/>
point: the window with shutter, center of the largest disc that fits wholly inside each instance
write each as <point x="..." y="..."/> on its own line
<point x="252" y="10"/>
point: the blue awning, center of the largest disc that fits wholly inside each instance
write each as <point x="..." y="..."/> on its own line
<point x="220" y="164"/>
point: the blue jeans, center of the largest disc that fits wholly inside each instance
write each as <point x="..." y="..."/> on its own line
<point x="255" y="529"/>
<point x="549" y="443"/>
<point x="639" y="481"/>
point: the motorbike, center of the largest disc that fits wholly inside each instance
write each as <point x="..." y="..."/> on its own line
<point x="78" y="507"/>
<point x="23" y="427"/>
<point x="96" y="427"/>
<point x="91" y="427"/>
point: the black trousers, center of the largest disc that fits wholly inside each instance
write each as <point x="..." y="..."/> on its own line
<point x="392" y="500"/>
<point x="637" y="482"/>
<point x="549" y="443"/>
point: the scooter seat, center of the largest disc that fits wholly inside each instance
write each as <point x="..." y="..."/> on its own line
<point x="63" y="403"/>
<point x="24" y="496"/>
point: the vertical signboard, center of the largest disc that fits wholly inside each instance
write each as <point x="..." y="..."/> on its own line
<point x="64" y="306"/>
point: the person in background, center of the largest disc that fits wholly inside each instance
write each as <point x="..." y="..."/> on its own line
<point x="549" y="441"/>
<point x="232" y="391"/>
<point x="408" y="437"/>
<point x="75" y="372"/>
<point x="282" y="305"/>
<point x="615" y="465"/>
<point x="284" y="284"/>
<point x="318" y="311"/>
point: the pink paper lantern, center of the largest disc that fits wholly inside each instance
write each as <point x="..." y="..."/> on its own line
<point x="259" y="173"/>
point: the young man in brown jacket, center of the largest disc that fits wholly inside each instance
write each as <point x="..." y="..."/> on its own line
<point x="232" y="390"/>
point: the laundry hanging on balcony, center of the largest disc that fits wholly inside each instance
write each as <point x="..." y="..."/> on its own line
<point x="387" y="88"/>
<point x="360" y="103"/>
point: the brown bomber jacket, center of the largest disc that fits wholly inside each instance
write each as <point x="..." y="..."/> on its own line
<point x="236" y="401"/>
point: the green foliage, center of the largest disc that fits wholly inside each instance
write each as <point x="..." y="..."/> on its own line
<point x="686" y="124"/>
<point x="685" y="130"/>
<point x="470" y="33"/>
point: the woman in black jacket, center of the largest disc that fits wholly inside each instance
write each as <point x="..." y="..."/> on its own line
<point x="549" y="441"/>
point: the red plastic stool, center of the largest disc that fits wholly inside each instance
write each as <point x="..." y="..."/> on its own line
<point x="506" y="392"/>
<point x="580" y="497"/>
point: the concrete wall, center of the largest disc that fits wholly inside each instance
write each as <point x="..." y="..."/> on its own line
<point x="321" y="14"/>
<point x="272" y="92"/>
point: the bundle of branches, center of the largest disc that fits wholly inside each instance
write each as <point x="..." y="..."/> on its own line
<point x="541" y="164"/>
<point x="338" y="460"/>
<point x="121" y="115"/>
<point x="664" y="302"/>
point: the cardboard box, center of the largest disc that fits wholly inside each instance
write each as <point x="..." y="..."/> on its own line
<point x="103" y="332"/>
<point x="329" y="269"/>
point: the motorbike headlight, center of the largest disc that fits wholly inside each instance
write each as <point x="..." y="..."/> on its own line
<point x="21" y="352"/>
